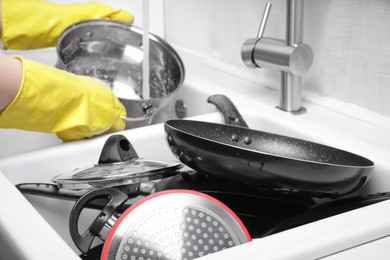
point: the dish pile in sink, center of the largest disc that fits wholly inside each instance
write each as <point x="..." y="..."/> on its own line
<point x="216" y="182"/>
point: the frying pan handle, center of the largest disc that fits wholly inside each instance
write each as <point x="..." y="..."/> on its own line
<point x="229" y="111"/>
<point x="84" y="241"/>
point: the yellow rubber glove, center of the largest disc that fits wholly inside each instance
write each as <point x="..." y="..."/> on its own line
<point x="31" y="24"/>
<point x="55" y="101"/>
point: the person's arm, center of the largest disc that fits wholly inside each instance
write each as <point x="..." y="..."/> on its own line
<point x="11" y="71"/>
<point x="10" y="79"/>
<point x="1" y="28"/>
<point x="37" y="97"/>
<point x="1" y="24"/>
<point x="28" y="24"/>
<point x="51" y="100"/>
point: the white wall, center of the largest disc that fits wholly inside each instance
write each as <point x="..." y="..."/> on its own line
<point x="156" y="24"/>
<point x="350" y="40"/>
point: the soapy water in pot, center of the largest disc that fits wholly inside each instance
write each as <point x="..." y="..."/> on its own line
<point x="125" y="78"/>
<point x="121" y="58"/>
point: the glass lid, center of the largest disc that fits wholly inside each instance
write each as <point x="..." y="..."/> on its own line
<point x="114" y="174"/>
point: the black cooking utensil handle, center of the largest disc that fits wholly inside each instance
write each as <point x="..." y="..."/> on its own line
<point x="117" y="149"/>
<point x="49" y="190"/>
<point x="229" y="111"/>
<point x="52" y="191"/>
<point x="84" y="241"/>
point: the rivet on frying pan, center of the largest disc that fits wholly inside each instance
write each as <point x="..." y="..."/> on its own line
<point x="247" y="140"/>
<point x="261" y="166"/>
<point x="235" y="138"/>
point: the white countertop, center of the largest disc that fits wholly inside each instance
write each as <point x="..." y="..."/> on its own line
<point x="24" y="233"/>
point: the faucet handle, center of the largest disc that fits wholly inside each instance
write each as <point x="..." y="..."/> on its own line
<point x="249" y="45"/>
<point x="264" y="20"/>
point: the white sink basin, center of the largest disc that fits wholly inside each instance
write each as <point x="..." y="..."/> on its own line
<point x="150" y="143"/>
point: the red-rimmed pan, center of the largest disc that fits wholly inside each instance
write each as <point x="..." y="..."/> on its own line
<point x="172" y="224"/>
<point x="267" y="160"/>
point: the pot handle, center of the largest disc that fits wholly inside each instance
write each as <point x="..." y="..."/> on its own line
<point x="84" y="241"/>
<point x="149" y="112"/>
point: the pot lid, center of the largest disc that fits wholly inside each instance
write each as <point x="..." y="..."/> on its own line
<point x="136" y="170"/>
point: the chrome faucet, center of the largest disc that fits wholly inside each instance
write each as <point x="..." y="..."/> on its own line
<point x="291" y="56"/>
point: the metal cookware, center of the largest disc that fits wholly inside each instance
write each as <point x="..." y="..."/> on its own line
<point x="174" y="224"/>
<point x="271" y="207"/>
<point x="118" y="165"/>
<point x="133" y="171"/>
<point x="267" y="160"/>
<point x="112" y="51"/>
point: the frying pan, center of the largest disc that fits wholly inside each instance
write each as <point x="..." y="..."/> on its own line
<point x="267" y="160"/>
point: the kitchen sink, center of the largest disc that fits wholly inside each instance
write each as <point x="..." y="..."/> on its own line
<point x="32" y="222"/>
<point x="150" y="143"/>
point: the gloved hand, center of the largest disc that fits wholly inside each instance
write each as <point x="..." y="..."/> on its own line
<point x="55" y="101"/>
<point x="30" y="24"/>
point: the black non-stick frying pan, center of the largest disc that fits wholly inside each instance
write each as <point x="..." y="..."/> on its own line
<point x="267" y="160"/>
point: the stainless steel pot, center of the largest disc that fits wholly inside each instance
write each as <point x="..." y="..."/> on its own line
<point x="112" y="51"/>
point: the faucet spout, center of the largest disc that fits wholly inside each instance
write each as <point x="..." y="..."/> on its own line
<point x="290" y="56"/>
<point x="291" y="85"/>
<point x="290" y="93"/>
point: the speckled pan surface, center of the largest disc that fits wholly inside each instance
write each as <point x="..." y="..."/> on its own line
<point x="267" y="160"/>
